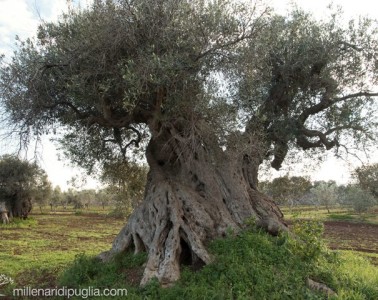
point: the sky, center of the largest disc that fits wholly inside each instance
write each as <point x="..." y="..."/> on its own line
<point x="21" y="17"/>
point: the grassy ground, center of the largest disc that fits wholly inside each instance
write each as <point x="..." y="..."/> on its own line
<point x="252" y="265"/>
<point x="337" y="214"/>
<point x="344" y="229"/>
<point x="45" y="243"/>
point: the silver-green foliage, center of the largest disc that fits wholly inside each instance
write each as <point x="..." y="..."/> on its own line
<point x="105" y="72"/>
<point x="361" y="200"/>
<point x="325" y="193"/>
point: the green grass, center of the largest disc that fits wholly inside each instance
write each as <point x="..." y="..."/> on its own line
<point x="351" y="275"/>
<point x="251" y="265"/>
<point x="245" y="265"/>
<point x="321" y="213"/>
<point x="51" y="241"/>
<point x="20" y="223"/>
<point x="341" y="217"/>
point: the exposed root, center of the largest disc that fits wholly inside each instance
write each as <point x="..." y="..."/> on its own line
<point x="166" y="232"/>
<point x="320" y="287"/>
<point x="172" y="225"/>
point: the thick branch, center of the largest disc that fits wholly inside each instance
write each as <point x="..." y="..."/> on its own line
<point x="322" y="137"/>
<point x="349" y="126"/>
<point x="326" y="103"/>
<point x="279" y="152"/>
<point x="349" y="45"/>
<point x="139" y="135"/>
<point x="117" y="134"/>
<point x="305" y="144"/>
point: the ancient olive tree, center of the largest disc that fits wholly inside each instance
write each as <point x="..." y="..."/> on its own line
<point x="19" y="184"/>
<point x="208" y="90"/>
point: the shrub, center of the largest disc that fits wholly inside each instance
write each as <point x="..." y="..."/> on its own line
<point x="307" y="241"/>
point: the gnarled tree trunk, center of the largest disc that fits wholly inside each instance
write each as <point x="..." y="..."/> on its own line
<point x="4" y="217"/>
<point x="194" y="194"/>
<point x="4" y="213"/>
<point x="20" y="205"/>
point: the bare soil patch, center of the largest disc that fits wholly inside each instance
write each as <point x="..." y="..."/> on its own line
<point x="352" y="236"/>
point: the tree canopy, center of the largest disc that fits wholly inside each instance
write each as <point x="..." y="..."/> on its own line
<point x="367" y="177"/>
<point x="20" y="182"/>
<point x="111" y="76"/>
<point x="286" y="189"/>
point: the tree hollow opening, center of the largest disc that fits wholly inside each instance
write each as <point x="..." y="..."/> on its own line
<point x="186" y="254"/>
<point x="189" y="258"/>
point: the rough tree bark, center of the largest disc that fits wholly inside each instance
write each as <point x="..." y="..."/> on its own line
<point x="20" y="206"/>
<point x="4" y="213"/>
<point x="193" y="194"/>
<point x="4" y="217"/>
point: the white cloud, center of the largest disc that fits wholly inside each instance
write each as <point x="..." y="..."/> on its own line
<point x="16" y="18"/>
<point x="48" y="10"/>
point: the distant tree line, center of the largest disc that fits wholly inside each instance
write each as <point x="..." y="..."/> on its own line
<point x="361" y="195"/>
<point x="24" y="184"/>
<point x="123" y="189"/>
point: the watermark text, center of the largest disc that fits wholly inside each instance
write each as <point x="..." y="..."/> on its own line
<point x="68" y="292"/>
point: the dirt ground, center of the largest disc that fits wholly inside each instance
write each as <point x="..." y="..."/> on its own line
<point x="351" y="236"/>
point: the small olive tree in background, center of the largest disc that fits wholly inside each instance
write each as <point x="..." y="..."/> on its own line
<point x="43" y="191"/>
<point x="286" y="189"/>
<point x="20" y="183"/>
<point x="125" y="182"/>
<point x="367" y="178"/>
<point x="362" y="195"/>
<point x="104" y="197"/>
<point x="325" y="193"/>
<point x="87" y="197"/>
<point x="359" y="199"/>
